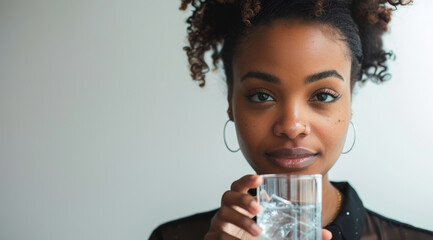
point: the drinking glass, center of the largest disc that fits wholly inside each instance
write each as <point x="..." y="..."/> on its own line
<point x="291" y="207"/>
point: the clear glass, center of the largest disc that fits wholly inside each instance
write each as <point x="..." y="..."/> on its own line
<point x="292" y="207"/>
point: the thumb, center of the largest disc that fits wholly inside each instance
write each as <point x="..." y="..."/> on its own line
<point x="326" y="235"/>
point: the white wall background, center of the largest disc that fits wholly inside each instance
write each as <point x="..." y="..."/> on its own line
<point x="104" y="136"/>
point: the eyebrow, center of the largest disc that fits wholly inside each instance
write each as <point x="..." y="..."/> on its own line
<point x="261" y="75"/>
<point x="309" y="79"/>
<point x="321" y="75"/>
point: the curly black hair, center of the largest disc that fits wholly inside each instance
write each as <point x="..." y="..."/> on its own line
<point x="216" y="26"/>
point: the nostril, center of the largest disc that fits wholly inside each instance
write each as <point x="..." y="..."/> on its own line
<point x="291" y="131"/>
<point x="307" y="129"/>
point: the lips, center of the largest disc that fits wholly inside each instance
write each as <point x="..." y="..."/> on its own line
<point x="291" y="158"/>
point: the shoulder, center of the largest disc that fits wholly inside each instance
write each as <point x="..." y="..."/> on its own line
<point x="386" y="228"/>
<point x="191" y="227"/>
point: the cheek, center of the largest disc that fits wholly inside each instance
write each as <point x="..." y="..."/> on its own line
<point x="243" y="122"/>
<point x="337" y="132"/>
<point x="252" y="128"/>
<point x="332" y="132"/>
<point x="251" y="135"/>
<point x="248" y="132"/>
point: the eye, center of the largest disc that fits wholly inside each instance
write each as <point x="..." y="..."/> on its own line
<point x="325" y="96"/>
<point x="260" y="97"/>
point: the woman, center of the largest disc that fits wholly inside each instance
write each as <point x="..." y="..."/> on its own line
<point x="290" y="68"/>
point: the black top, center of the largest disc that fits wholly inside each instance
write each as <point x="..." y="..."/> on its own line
<point x="354" y="222"/>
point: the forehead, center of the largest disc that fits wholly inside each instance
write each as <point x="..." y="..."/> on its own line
<point x="292" y="45"/>
<point x="296" y="29"/>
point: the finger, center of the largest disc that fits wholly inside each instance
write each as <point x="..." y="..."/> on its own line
<point x="219" y="235"/>
<point x="246" y="182"/>
<point x="241" y="200"/>
<point x="229" y="215"/>
<point x="326" y="235"/>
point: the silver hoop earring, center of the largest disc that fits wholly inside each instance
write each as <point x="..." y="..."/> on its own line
<point x="225" y="141"/>
<point x="354" y="138"/>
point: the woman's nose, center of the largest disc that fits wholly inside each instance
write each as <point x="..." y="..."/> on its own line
<point x="291" y="122"/>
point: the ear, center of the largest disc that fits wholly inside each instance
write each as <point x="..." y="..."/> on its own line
<point x="230" y="114"/>
<point x="230" y="108"/>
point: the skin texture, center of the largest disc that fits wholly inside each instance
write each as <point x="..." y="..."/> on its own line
<point x="285" y="114"/>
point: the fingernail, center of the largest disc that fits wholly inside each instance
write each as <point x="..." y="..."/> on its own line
<point x="255" y="206"/>
<point x="260" y="178"/>
<point x="256" y="230"/>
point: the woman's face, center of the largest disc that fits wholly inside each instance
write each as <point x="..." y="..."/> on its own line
<point x="291" y="99"/>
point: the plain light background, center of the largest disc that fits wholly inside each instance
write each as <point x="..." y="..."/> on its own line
<point x="104" y="136"/>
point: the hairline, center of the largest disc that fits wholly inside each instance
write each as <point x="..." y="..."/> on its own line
<point x="331" y="32"/>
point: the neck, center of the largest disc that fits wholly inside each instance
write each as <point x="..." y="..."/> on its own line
<point x="329" y="201"/>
